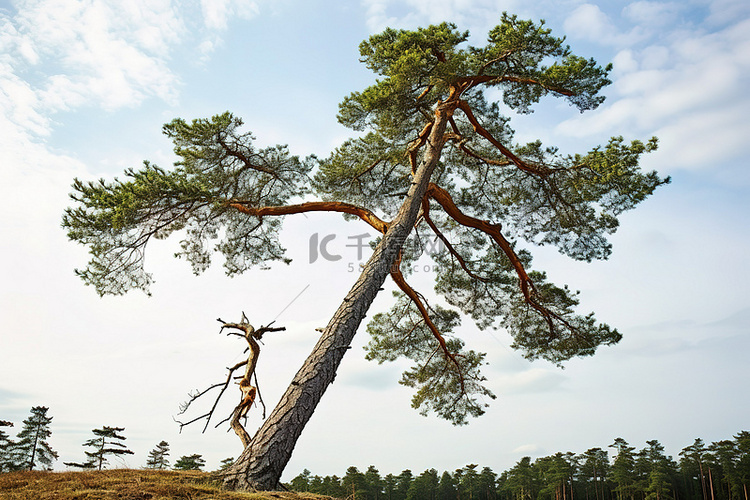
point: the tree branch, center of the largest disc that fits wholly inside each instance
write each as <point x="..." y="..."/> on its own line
<point x="249" y="391"/>
<point x="446" y="242"/>
<point x="311" y="206"/>
<point x="420" y="141"/>
<point x="399" y="279"/>
<point x="472" y="81"/>
<point x="244" y="159"/>
<point x="526" y="167"/>
<point x="470" y="152"/>
<point x="527" y="286"/>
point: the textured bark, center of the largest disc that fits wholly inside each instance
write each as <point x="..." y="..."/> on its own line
<point x="261" y="463"/>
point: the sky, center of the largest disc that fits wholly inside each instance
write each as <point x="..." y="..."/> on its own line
<point x="85" y="86"/>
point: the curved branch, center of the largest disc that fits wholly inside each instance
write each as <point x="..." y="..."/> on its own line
<point x="489" y="161"/>
<point x="244" y="159"/>
<point x="312" y="206"/>
<point x="526" y="167"/>
<point x="399" y="279"/>
<point x="527" y="286"/>
<point x="424" y="92"/>
<point x="446" y="241"/>
<point x="249" y="392"/>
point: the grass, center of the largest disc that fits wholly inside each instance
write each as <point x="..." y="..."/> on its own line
<point x="126" y="484"/>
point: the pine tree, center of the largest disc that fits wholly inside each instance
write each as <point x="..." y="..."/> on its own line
<point x="434" y="158"/>
<point x="6" y="444"/>
<point x="424" y="487"/>
<point x="157" y="458"/>
<point x="31" y="447"/>
<point x="106" y="442"/>
<point x="226" y="463"/>
<point x="190" y="462"/>
<point x="594" y="468"/>
<point x="301" y="482"/>
<point x="742" y="440"/>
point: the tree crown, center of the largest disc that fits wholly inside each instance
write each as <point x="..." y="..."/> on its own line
<point x="485" y="197"/>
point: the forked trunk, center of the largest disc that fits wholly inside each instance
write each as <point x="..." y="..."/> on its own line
<point x="261" y="463"/>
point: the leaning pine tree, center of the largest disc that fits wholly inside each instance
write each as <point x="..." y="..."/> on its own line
<point x="434" y="157"/>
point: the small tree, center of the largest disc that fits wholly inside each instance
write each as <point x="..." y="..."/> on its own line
<point x="31" y="447"/>
<point x="106" y="442"/>
<point x="157" y="458"/>
<point x="226" y="463"/>
<point x="301" y="482"/>
<point x="6" y="445"/>
<point x="191" y="462"/>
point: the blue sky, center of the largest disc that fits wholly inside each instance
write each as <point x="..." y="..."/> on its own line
<point x="85" y="87"/>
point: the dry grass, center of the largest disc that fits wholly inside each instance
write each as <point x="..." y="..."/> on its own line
<point x="125" y="484"/>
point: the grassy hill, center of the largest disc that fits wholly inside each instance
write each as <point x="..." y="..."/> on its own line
<point x="126" y="484"/>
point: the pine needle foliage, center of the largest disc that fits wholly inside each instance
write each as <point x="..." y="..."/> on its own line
<point x="488" y="196"/>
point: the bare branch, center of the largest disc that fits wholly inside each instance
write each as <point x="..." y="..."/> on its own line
<point x="249" y="391"/>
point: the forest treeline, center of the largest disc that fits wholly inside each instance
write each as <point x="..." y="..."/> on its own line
<point x="717" y="471"/>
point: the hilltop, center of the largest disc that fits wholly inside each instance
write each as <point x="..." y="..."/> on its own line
<point x="127" y="484"/>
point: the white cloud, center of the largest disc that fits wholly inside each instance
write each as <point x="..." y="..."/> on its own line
<point x="466" y="14"/>
<point x="651" y="13"/>
<point x="589" y="22"/>
<point x="217" y="13"/>
<point x="690" y="91"/>
<point x="62" y="54"/>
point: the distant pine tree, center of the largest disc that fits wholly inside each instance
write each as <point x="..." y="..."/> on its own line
<point x="192" y="462"/>
<point x="5" y="447"/>
<point x="106" y="442"/>
<point x="31" y="447"/>
<point x="157" y="458"/>
<point x="226" y="463"/>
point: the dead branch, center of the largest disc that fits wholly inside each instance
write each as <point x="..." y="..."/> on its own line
<point x="248" y="390"/>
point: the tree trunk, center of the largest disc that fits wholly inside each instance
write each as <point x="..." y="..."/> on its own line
<point x="262" y="462"/>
